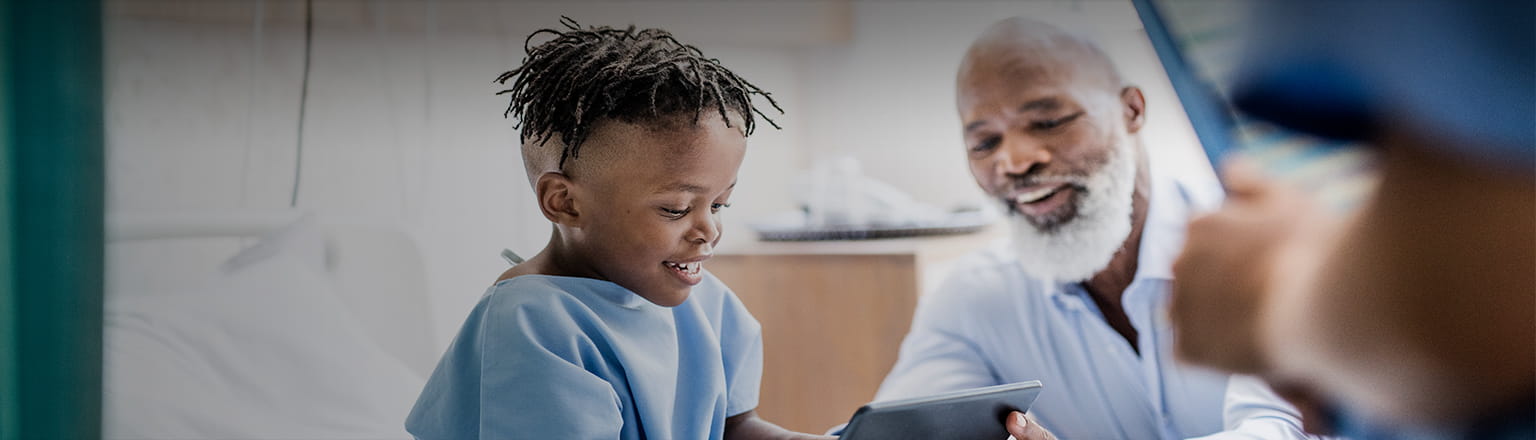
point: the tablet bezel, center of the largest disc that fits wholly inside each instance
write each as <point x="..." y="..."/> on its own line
<point x="962" y="414"/>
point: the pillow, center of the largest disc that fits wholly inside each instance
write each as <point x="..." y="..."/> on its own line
<point x="265" y="350"/>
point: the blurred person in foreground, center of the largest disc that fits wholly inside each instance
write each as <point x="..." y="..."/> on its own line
<point x="1076" y="297"/>
<point x="1415" y="316"/>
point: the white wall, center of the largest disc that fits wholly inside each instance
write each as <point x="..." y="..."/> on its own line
<point x="888" y="96"/>
<point x="402" y="126"/>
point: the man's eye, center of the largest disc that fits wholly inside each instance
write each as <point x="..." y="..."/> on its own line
<point x="1053" y="123"/>
<point x="985" y="145"/>
<point x="716" y="207"/>
<point x="674" y="213"/>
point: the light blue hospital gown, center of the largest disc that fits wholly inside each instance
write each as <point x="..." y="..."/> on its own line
<point x="547" y="357"/>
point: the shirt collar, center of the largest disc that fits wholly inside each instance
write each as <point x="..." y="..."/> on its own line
<point x="1174" y="201"/>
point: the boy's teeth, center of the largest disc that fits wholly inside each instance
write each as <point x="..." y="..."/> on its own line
<point x="691" y="268"/>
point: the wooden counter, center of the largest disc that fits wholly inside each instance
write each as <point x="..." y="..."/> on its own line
<point x="833" y="314"/>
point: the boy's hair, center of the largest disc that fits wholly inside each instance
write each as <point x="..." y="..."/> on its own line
<point x="569" y="83"/>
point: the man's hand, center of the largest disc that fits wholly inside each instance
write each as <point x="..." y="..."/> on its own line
<point x="1265" y="239"/>
<point x="1023" y="427"/>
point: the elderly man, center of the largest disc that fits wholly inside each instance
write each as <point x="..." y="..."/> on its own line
<point x="1076" y="298"/>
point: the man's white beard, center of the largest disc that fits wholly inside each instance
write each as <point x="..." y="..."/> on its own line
<point x="1076" y="250"/>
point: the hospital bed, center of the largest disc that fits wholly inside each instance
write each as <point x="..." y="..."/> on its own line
<point x="262" y="325"/>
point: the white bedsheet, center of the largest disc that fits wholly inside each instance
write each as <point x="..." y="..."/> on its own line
<point x="265" y="351"/>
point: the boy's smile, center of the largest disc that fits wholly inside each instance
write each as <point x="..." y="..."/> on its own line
<point x="689" y="271"/>
<point x="648" y="197"/>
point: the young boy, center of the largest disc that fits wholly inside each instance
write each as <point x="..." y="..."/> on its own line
<point x="632" y="142"/>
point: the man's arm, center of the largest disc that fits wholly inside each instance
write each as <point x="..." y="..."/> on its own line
<point x="938" y="355"/>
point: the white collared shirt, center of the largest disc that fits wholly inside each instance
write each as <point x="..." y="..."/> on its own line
<point x="989" y="323"/>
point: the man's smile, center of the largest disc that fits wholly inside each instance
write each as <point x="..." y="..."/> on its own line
<point x="1040" y="202"/>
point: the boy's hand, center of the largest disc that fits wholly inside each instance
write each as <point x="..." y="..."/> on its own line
<point x="1023" y="427"/>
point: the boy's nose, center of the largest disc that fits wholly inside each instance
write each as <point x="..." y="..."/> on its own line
<point x="705" y="231"/>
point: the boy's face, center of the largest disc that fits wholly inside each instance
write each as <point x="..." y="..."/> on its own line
<point x="650" y="202"/>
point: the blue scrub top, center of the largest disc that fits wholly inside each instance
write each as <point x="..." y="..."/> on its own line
<point x="544" y="357"/>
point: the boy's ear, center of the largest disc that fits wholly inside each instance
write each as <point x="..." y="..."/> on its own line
<point x="556" y="194"/>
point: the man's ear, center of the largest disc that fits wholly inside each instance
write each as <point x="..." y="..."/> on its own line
<point x="1135" y="105"/>
<point x="556" y="194"/>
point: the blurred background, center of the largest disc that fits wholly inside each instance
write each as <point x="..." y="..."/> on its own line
<point x="304" y="199"/>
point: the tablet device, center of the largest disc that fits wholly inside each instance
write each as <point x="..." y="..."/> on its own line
<point x="968" y="414"/>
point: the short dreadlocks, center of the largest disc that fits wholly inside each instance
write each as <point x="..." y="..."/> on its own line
<point x="567" y="84"/>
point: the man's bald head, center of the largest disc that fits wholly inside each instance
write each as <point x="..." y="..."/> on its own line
<point x="1050" y="131"/>
<point x="1020" y="48"/>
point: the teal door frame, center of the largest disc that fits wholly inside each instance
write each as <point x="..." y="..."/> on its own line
<point x="51" y="219"/>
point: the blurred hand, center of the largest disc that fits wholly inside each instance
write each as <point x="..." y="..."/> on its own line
<point x="1023" y="427"/>
<point x="1316" y="419"/>
<point x="1266" y="238"/>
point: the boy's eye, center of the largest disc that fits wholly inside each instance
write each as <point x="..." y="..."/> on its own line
<point x="1053" y="123"/>
<point x="674" y="213"/>
<point x="716" y="207"/>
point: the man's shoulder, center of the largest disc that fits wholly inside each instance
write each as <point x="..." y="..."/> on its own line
<point x="987" y="265"/>
<point x="989" y="273"/>
<point x="996" y="256"/>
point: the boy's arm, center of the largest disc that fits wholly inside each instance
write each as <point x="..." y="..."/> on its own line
<point x="747" y="426"/>
<point x="742" y="346"/>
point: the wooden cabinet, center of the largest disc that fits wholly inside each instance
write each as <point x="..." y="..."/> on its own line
<point x="833" y="314"/>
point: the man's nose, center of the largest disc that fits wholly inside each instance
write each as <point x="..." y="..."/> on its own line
<point x="1019" y="154"/>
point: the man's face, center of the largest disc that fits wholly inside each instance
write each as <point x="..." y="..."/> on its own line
<point x="652" y="216"/>
<point x="1049" y="140"/>
<point x="1035" y="133"/>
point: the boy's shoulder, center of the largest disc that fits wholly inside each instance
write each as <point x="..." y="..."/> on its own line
<point x="574" y="301"/>
<point x="557" y="293"/>
<point x="711" y="292"/>
<point x="721" y="306"/>
<point x="538" y="312"/>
